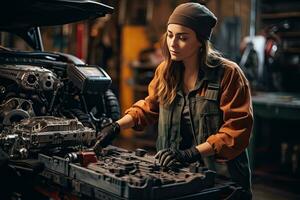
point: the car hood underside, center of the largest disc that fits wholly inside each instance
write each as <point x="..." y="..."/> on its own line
<point x="23" y="14"/>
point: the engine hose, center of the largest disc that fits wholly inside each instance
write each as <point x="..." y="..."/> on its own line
<point x="52" y="101"/>
<point x="84" y="118"/>
<point x="82" y="98"/>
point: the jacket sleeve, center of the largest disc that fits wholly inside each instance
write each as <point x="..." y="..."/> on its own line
<point x="145" y="112"/>
<point x="236" y="104"/>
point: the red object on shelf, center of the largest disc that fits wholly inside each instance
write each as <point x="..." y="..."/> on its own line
<point x="79" y="40"/>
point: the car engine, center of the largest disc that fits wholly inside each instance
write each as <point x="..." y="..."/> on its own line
<point x="48" y="104"/>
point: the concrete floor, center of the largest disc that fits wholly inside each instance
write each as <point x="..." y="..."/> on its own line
<point x="267" y="186"/>
<point x="265" y="192"/>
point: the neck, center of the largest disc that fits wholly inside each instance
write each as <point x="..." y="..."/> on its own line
<point x="190" y="73"/>
<point x="191" y="65"/>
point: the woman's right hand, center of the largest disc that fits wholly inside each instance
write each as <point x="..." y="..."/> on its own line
<point x="109" y="132"/>
<point x="106" y="136"/>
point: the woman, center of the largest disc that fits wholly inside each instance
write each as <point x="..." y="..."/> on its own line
<point x="202" y="101"/>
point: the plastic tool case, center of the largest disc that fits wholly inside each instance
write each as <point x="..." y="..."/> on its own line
<point x="123" y="174"/>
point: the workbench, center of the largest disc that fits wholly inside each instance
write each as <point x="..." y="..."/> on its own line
<point x="269" y="106"/>
<point x="276" y="105"/>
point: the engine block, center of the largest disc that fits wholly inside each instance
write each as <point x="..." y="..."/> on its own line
<point x="30" y="77"/>
<point x="37" y="133"/>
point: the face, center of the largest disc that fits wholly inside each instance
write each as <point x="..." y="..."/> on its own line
<point x="182" y="42"/>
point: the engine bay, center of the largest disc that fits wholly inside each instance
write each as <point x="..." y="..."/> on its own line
<point x="46" y="104"/>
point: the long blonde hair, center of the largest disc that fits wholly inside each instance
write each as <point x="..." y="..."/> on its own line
<point x="171" y="74"/>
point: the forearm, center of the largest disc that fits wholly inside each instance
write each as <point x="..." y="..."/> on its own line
<point x="126" y="122"/>
<point x="205" y="149"/>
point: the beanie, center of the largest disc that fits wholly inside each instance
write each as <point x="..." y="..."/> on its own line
<point x="196" y="17"/>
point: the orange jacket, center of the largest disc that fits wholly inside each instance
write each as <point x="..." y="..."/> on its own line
<point x="235" y="102"/>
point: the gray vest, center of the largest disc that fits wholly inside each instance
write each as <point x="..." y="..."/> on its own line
<point x="206" y="119"/>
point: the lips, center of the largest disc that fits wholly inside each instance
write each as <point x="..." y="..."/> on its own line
<point x="174" y="52"/>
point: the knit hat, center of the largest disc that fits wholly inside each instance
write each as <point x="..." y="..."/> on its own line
<point x="196" y="17"/>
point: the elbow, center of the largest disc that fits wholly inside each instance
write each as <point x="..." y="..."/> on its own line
<point x="227" y="147"/>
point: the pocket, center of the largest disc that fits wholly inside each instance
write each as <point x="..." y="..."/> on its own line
<point x="164" y="124"/>
<point x="212" y="123"/>
<point x="208" y="125"/>
<point x="202" y="130"/>
<point x="164" y="120"/>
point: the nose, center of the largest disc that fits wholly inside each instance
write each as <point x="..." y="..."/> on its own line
<point x="174" y="42"/>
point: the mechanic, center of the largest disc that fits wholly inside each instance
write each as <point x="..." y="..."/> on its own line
<point x="201" y="101"/>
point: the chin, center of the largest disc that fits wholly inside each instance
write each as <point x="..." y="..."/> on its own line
<point x="174" y="58"/>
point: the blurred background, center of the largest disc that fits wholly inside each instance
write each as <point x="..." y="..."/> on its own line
<point x="262" y="36"/>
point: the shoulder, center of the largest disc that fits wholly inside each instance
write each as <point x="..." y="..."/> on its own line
<point x="233" y="73"/>
<point x="158" y="73"/>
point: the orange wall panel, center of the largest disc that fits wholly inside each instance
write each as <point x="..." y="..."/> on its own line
<point x="133" y="40"/>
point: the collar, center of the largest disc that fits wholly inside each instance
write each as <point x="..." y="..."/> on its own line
<point x="205" y="73"/>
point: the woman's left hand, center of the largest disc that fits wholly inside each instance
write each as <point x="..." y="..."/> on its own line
<point x="168" y="157"/>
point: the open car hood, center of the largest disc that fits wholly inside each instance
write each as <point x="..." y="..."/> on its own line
<point x="23" y="17"/>
<point x="24" y="14"/>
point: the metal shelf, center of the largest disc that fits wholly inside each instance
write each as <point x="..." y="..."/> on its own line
<point x="280" y="15"/>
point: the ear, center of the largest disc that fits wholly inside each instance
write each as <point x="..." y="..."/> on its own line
<point x="199" y="44"/>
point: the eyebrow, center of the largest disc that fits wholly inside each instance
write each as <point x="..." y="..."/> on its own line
<point x="182" y="33"/>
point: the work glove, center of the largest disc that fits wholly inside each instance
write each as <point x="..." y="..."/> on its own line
<point x="169" y="157"/>
<point x="106" y="136"/>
